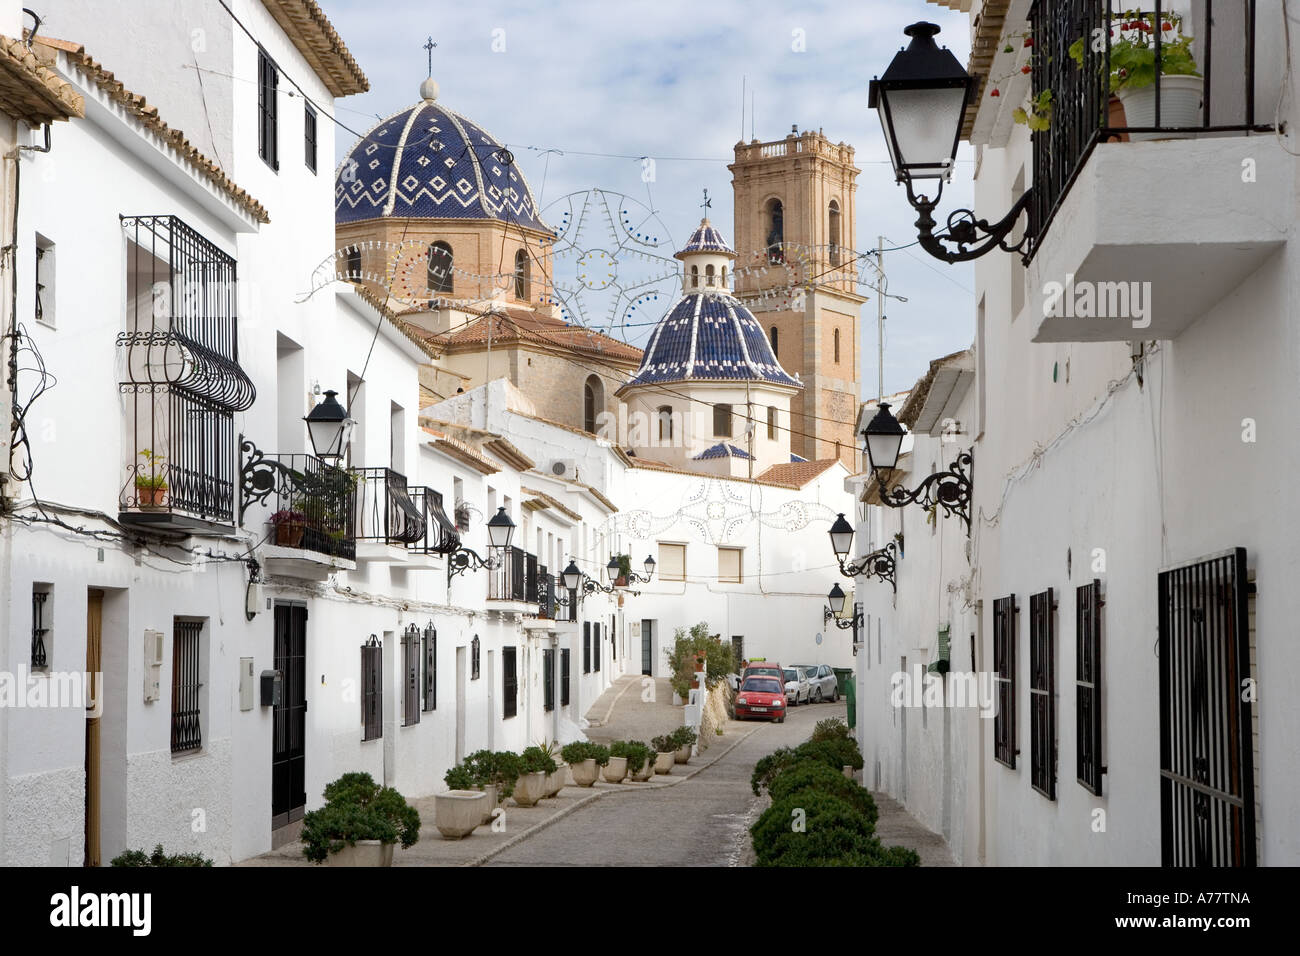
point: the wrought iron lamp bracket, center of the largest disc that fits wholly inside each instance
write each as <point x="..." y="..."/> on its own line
<point x="879" y="564"/>
<point x="842" y="623"/>
<point x="949" y="490"/>
<point x="971" y="236"/>
<point x="259" y="476"/>
<point x="461" y="560"/>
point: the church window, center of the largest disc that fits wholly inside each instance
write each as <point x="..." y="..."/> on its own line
<point x="834" y="230"/>
<point x="309" y="137"/>
<point x="592" y="403"/>
<point x="722" y="421"/>
<point x="354" y="264"/>
<point x="708" y="275"/>
<point x="665" y="416"/>
<point x="440" y="265"/>
<point x="772" y="334"/>
<point x="267" y="137"/>
<point x="835" y="346"/>
<point x="723" y="281"/>
<point x="771" y="422"/>
<point x="695" y="277"/>
<point x="521" y="275"/>
<point x="775" y="217"/>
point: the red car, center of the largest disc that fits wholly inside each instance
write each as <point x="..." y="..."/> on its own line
<point x="761" y="696"/>
<point x="765" y="669"/>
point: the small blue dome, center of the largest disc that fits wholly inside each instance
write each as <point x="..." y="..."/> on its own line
<point x="706" y="238"/>
<point x="430" y="162"/>
<point x="722" y="450"/>
<point x="710" y="336"/>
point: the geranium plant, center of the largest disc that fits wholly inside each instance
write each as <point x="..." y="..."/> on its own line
<point x="1133" y="50"/>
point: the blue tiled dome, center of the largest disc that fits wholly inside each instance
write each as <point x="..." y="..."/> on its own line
<point x="429" y="162"/>
<point x="722" y="450"/>
<point x="706" y="239"/>
<point x="710" y="336"/>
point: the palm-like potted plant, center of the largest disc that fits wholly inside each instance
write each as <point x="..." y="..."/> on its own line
<point x="151" y="489"/>
<point x="359" y="824"/>
<point x="665" y="751"/>
<point x="535" y="765"/>
<point x="584" y="758"/>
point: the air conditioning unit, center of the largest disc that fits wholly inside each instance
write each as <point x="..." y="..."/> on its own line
<point x="564" y="468"/>
<point x="153" y="658"/>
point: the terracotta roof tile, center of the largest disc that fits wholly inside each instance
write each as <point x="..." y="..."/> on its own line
<point x="532" y="328"/>
<point x="30" y="90"/>
<point x="307" y="27"/>
<point x="797" y="473"/>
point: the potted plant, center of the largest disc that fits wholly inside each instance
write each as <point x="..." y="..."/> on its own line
<point x="458" y="811"/>
<point x="624" y="570"/>
<point x="151" y="489"/>
<point x="685" y="738"/>
<point x="535" y="764"/>
<point x="616" y="770"/>
<point x="583" y="759"/>
<point x="359" y="824"/>
<point x="555" y="779"/>
<point x="665" y="749"/>
<point x="289" y="527"/>
<point x="495" y="773"/>
<point x="639" y="764"/>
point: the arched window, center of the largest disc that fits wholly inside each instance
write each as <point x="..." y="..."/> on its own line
<point x="775" y="216"/>
<point x="665" y="423"/>
<point x="723" y="281"/>
<point x="353" y="273"/>
<point x="773" y="335"/>
<point x="771" y="422"/>
<point x="440" y="263"/>
<point x="521" y="275"/>
<point x="695" y="277"/>
<point x="593" y="403"/>
<point x="835" y="346"/>
<point x="708" y="275"/>
<point x="834" y="232"/>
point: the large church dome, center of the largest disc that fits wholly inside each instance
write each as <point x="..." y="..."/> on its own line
<point x="709" y="335"/>
<point x="428" y="161"/>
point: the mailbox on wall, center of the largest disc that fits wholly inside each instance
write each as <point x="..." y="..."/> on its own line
<point x="272" y="688"/>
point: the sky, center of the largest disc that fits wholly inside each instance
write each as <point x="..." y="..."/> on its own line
<point x="634" y="79"/>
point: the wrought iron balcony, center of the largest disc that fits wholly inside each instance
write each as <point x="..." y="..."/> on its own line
<point x="182" y="380"/>
<point x="514" y="578"/>
<point x="545" y="594"/>
<point x="440" y="534"/>
<point x="310" y="502"/>
<point x="383" y="509"/>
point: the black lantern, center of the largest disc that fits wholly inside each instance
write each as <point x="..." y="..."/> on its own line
<point x="649" y="566"/>
<point x="611" y="570"/>
<point x="579" y="585"/>
<point x="329" y="428"/>
<point x="841" y="537"/>
<point x="571" y="576"/>
<point x="836" y="599"/>
<point x="501" y="530"/>
<point x="834" y="613"/>
<point x="878" y="564"/>
<point x="883" y="439"/>
<point x="949" y="490"/>
<point x="922" y="99"/>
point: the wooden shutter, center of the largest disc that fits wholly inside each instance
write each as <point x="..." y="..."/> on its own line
<point x="430" y="668"/>
<point x="672" y="562"/>
<point x="729" y="560"/>
<point x="1042" y="694"/>
<point x="1087" y="686"/>
<point x="1004" y="668"/>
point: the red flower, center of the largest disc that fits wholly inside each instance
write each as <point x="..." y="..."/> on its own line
<point x="995" y="92"/>
<point x="1026" y="68"/>
<point x="1144" y="27"/>
<point x="1166" y="25"/>
<point x="1029" y="41"/>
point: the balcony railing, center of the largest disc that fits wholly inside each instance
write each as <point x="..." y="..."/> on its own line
<point x="440" y="534"/>
<point x="545" y="594"/>
<point x="310" y="502"/>
<point x="383" y="509"/>
<point x="1072" y="58"/>
<point x="515" y="578"/>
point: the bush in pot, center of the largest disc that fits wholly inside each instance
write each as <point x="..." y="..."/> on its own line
<point x="583" y="757"/>
<point x="639" y="758"/>
<point x="684" y="738"/>
<point x="359" y="810"/>
<point x="665" y="751"/>
<point x="535" y="764"/>
<point x="159" y="858"/>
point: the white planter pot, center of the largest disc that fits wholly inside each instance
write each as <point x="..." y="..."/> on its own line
<point x="365" y="853"/>
<point x="555" y="781"/>
<point x="491" y="803"/>
<point x="664" y="761"/>
<point x="585" y="773"/>
<point x="615" y="770"/>
<point x="646" y="772"/>
<point x="458" y="812"/>
<point x="683" y="754"/>
<point x="529" y="788"/>
<point x="1180" y="105"/>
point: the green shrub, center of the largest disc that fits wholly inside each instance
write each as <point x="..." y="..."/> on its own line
<point x="635" y="751"/>
<point x="831" y="829"/>
<point x="537" y="760"/>
<point x="767" y="768"/>
<point x="832" y="728"/>
<point x="816" y="777"/>
<point x="837" y="753"/>
<point x="159" y="858"/>
<point x="684" y="737"/>
<point x="663" y="744"/>
<point x="357" y="808"/>
<point x="495" y="767"/>
<point x="719" y="658"/>
<point x="458" y="778"/>
<point x="581" y="750"/>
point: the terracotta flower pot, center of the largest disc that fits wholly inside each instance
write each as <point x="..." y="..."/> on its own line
<point x="288" y="535"/>
<point x="364" y="853"/>
<point x="151" y="497"/>
<point x="585" y="773"/>
<point x="458" y="812"/>
<point x="1116" y="118"/>
<point x="615" y="770"/>
<point x="529" y="788"/>
<point x="664" y="761"/>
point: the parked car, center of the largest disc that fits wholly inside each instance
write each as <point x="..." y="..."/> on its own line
<point x="764" y="669"/>
<point x="797" y="690"/>
<point x="762" y="696"/>
<point x="822" y="682"/>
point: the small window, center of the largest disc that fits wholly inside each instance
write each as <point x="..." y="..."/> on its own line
<point x="695" y="277"/>
<point x="1042" y="694"/>
<point x="521" y="275"/>
<point x="1087" y="693"/>
<point x="548" y="679"/>
<point x="309" y="136"/>
<point x="509" y="682"/>
<point x="44" y="281"/>
<point x="187" y="732"/>
<point x="835" y="345"/>
<point x="354" y="264"/>
<point x="709" y="275"/>
<point x="268" y="79"/>
<point x="411" y="683"/>
<point x="771" y="423"/>
<point x="722" y="421"/>
<point x="672" y="562"/>
<point x="564" y="677"/>
<point x="729" y="565"/>
<point x="440" y="266"/>
<point x="1004" y="677"/>
<point x="474" y="658"/>
<point x="723" y="281"/>
<point x="372" y="689"/>
<point x="593" y="402"/>
<point x="42" y="612"/>
<point x="833" y="227"/>
<point x="775" y="216"/>
<point x="665" y="416"/>
<point x="430" y="640"/>
<point x="773" y="335"/>
<point x="595" y="647"/>
<point x="586" y="647"/>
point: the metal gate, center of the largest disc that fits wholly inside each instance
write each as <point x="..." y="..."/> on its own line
<point x="1207" y="799"/>
<point x="289" y="717"/>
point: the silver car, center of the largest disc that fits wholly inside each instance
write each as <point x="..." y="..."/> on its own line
<point x="822" y="682"/>
<point x="797" y="690"/>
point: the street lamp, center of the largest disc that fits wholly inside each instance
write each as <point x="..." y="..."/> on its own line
<point x="501" y="531"/>
<point x="878" y="564"/>
<point x="330" y="428"/>
<point x="836" y="600"/>
<point x="921" y="100"/>
<point x="950" y="490"/>
<point x="580" y="585"/>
